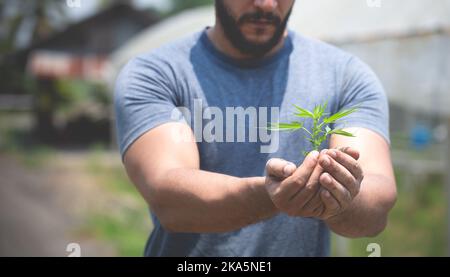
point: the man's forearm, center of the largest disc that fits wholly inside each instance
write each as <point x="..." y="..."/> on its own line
<point x="367" y="215"/>
<point x="191" y="200"/>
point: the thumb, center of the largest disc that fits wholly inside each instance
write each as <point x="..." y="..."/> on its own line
<point x="279" y="168"/>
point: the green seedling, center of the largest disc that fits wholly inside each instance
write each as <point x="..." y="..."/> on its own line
<point x="320" y="129"/>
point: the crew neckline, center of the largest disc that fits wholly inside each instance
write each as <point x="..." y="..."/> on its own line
<point x="286" y="49"/>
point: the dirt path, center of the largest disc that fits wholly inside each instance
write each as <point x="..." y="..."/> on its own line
<point x="41" y="209"/>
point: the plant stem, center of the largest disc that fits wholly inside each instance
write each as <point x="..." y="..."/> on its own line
<point x="316" y="130"/>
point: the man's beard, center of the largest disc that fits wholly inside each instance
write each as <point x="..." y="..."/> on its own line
<point x="231" y="29"/>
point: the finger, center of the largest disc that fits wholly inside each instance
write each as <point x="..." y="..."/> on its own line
<point x="331" y="204"/>
<point x="278" y="168"/>
<point x="340" y="173"/>
<point x="305" y="194"/>
<point x="314" y="202"/>
<point x="349" y="163"/>
<point x="350" y="151"/>
<point x="338" y="191"/>
<point x="291" y="185"/>
<point x="305" y="170"/>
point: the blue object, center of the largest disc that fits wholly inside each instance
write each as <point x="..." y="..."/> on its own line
<point x="421" y="136"/>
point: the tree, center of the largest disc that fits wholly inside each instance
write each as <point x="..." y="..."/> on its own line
<point x="31" y="21"/>
<point x="35" y="20"/>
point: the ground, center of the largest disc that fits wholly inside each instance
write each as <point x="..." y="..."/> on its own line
<point x="50" y="199"/>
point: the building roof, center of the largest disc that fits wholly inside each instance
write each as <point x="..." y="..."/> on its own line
<point x="94" y="35"/>
<point x="102" y="32"/>
<point x="82" y="49"/>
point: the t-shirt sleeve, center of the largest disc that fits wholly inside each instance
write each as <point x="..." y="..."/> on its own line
<point x="362" y="89"/>
<point x="144" y="98"/>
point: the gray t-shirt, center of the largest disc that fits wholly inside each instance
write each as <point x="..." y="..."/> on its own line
<point x="191" y="71"/>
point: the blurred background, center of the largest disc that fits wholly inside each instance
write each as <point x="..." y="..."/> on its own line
<point x="61" y="178"/>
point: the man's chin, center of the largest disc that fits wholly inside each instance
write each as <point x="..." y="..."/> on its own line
<point x="258" y="35"/>
<point x="258" y="39"/>
<point x="258" y="46"/>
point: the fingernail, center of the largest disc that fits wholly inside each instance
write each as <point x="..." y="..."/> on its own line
<point x="324" y="151"/>
<point x="314" y="154"/>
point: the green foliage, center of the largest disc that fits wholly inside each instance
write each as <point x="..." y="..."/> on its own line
<point x="125" y="226"/>
<point x="75" y="97"/>
<point x="47" y="15"/>
<point x="417" y="224"/>
<point x="126" y="232"/>
<point x="321" y="120"/>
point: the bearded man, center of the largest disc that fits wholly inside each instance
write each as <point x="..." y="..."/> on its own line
<point x="226" y="197"/>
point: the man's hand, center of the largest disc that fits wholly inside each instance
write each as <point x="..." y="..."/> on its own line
<point x="309" y="192"/>
<point x="341" y="181"/>
<point x="292" y="189"/>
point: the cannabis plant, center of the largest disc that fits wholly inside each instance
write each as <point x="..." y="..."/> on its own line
<point x="320" y="127"/>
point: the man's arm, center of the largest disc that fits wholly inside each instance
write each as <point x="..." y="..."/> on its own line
<point x="367" y="214"/>
<point x="186" y="199"/>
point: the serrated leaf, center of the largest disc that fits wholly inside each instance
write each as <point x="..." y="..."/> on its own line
<point x="304" y="115"/>
<point x="319" y="110"/>
<point x="303" y="112"/>
<point x="335" y="117"/>
<point x="285" y="126"/>
<point x="342" y="133"/>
